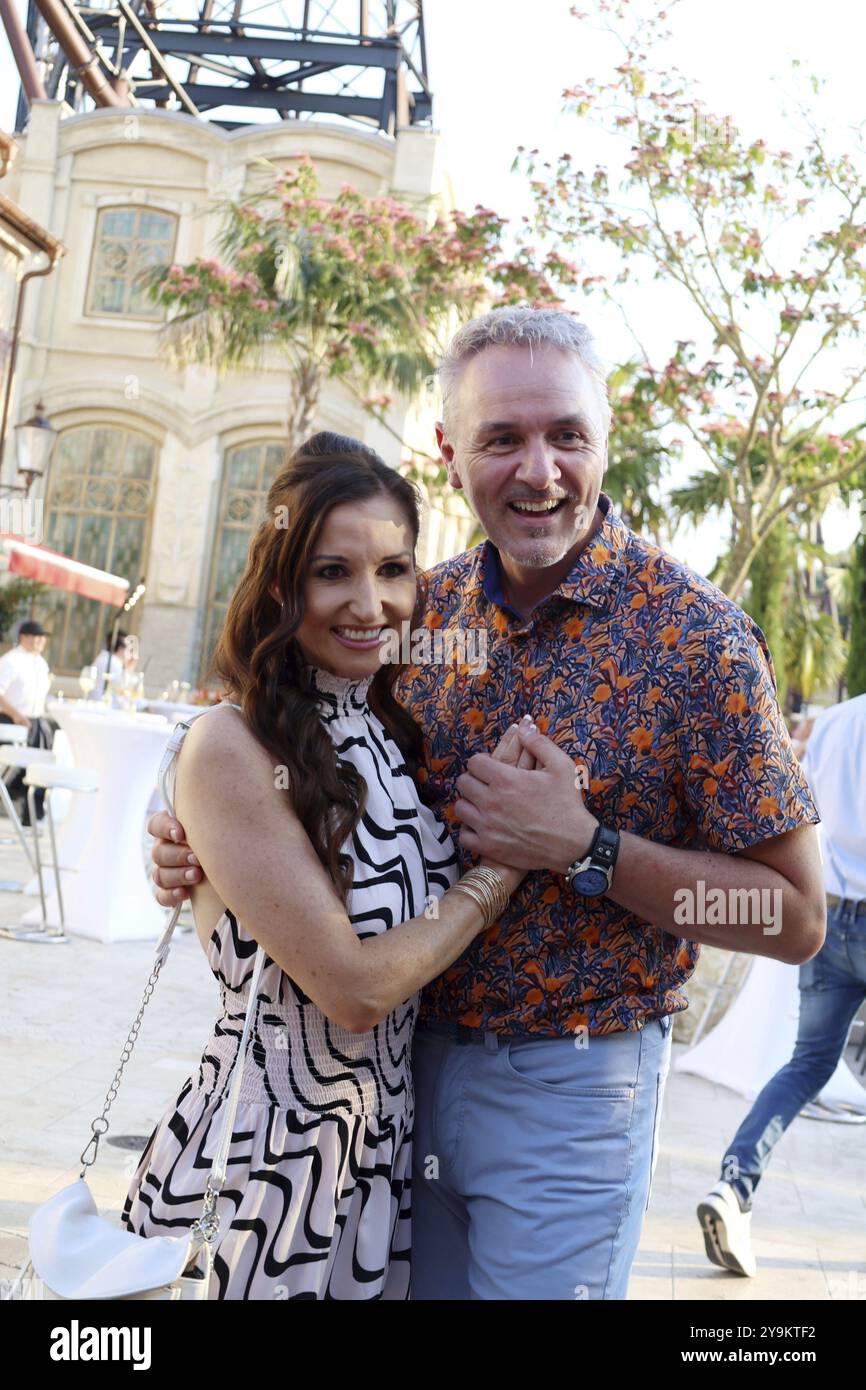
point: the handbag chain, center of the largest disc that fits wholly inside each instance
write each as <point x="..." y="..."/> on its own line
<point x="100" y="1126"/>
<point x="207" y="1225"/>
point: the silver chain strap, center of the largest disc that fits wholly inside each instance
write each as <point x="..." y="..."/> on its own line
<point x="100" y="1126"/>
<point x="208" y="1224"/>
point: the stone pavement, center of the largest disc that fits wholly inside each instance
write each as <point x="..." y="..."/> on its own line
<point x="68" y="1011"/>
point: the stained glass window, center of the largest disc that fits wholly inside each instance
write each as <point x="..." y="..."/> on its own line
<point x="129" y="243"/>
<point x="98" y="511"/>
<point x="247" y="475"/>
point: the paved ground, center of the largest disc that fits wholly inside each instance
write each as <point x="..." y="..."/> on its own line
<point x="68" y="1009"/>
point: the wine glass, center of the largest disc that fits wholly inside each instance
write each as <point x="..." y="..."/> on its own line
<point x="128" y="681"/>
<point x="87" y="680"/>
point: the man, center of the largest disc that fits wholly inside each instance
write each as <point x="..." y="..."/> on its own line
<point x="832" y="984"/>
<point x="541" y="1054"/>
<point x="24" y="681"/>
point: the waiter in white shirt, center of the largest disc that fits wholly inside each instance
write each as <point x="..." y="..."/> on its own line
<point x="24" y="680"/>
<point x="832" y="984"/>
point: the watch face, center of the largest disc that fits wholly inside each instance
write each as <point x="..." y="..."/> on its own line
<point x="590" y="883"/>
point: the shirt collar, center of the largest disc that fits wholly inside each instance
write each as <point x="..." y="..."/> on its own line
<point x="592" y="579"/>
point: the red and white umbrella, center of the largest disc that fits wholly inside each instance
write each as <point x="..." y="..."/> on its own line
<point x="50" y="567"/>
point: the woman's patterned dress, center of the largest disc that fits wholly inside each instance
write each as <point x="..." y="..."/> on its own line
<point x="316" y="1202"/>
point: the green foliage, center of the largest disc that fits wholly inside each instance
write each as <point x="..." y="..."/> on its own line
<point x="769" y="579"/>
<point x="815" y="649"/>
<point x="765" y="246"/>
<point x="17" y="597"/>
<point x="364" y="289"/>
<point x="637" y="457"/>
<point x="855" y="673"/>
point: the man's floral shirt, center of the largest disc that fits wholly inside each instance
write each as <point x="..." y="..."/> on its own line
<point x="663" y="688"/>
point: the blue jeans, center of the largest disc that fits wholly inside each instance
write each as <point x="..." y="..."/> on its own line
<point x="533" y="1162"/>
<point x="832" y="988"/>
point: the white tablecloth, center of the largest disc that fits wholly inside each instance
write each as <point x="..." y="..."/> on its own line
<point x="756" y="1037"/>
<point x="106" y="892"/>
<point x="173" y="710"/>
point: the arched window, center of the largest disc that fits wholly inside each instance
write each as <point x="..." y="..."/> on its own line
<point x="129" y="243"/>
<point x="98" y="511"/>
<point x="247" y="475"/>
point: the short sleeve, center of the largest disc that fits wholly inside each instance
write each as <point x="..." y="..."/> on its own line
<point x="742" y="780"/>
<point x="7" y="673"/>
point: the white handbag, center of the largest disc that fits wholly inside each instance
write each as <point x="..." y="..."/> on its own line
<point x="74" y="1253"/>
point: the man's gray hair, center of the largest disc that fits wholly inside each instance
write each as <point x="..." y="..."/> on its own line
<point x="513" y="325"/>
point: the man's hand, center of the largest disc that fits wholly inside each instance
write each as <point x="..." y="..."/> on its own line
<point x="176" y="866"/>
<point x="531" y="819"/>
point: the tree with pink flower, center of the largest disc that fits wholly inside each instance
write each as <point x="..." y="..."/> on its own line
<point x="767" y="248"/>
<point x="362" y="289"/>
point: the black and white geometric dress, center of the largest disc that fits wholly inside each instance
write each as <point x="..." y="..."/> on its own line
<point x="317" y="1199"/>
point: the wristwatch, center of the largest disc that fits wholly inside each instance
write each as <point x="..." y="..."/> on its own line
<point x="593" y="875"/>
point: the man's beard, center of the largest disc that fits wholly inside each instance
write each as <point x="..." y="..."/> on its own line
<point x="540" y="556"/>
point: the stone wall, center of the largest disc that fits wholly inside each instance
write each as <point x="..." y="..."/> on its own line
<point x="709" y="972"/>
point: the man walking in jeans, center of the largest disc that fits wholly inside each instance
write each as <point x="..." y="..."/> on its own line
<point x="662" y="764"/>
<point x="832" y="984"/>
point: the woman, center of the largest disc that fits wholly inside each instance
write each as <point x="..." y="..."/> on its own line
<point x="300" y="803"/>
<point x="112" y="661"/>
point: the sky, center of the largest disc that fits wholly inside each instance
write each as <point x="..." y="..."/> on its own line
<point x="498" y="69"/>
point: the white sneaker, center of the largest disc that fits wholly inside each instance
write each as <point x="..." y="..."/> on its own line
<point x="727" y="1231"/>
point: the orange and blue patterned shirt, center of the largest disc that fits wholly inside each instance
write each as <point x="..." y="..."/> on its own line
<point x="663" y="689"/>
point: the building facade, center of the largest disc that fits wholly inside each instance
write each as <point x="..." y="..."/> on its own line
<point x="27" y="251"/>
<point x="159" y="473"/>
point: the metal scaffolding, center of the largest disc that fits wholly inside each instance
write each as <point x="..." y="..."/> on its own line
<point x="233" y="61"/>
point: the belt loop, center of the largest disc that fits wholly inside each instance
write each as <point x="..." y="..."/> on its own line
<point x="491" y="1042"/>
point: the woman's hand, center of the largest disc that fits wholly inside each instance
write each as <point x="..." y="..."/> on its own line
<point x="510" y="750"/>
<point x="537" y="822"/>
<point x="173" y="875"/>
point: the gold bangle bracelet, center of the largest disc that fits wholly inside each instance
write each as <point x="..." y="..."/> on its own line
<point x="498" y="889"/>
<point x="487" y="889"/>
<point x="476" y="897"/>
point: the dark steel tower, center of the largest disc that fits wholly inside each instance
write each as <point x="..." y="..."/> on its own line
<point x="237" y="61"/>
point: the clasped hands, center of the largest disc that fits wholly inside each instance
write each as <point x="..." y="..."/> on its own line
<point x="522" y="805"/>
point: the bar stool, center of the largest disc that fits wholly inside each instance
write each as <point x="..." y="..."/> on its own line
<point x="9" y="734"/>
<point x="48" y="777"/>
<point x="13" y="733"/>
<point x="12" y="757"/>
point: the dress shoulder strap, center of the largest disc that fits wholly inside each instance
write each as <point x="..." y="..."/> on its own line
<point x="168" y="766"/>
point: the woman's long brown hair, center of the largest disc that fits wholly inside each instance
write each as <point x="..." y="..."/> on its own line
<point x="261" y="664"/>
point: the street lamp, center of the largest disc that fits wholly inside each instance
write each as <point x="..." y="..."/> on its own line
<point x="35" y="440"/>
